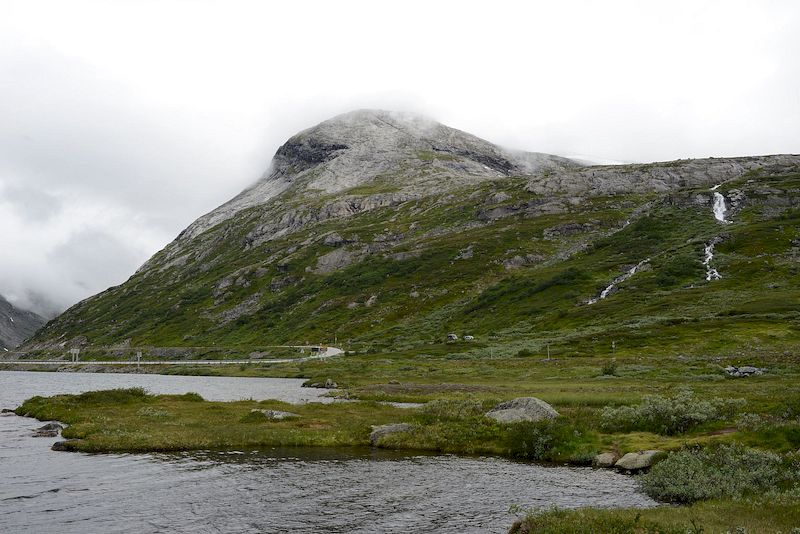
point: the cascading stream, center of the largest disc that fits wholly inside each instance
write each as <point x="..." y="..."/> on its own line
<point x="617" y="280"/>
<point x="711" y="273"/>
<point x="719" y="206"/>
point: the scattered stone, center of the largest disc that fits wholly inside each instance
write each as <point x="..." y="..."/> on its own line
<point x="636" y="461"/>
<point x="606" y="459"/>
<point x="275" y="415"/>
<point x="50" y="426"/>
<point x="371" y="301"/>
<point x="379" y="432"/>
<point x="746" y="370"/>
<point x="522" y="409"/>
<point x="45" y="434"/>
<point x="328" y="384"/>
<point x="7" y="410"/>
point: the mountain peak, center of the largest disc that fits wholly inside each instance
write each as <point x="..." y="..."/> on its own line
<point x="406" y="151"/>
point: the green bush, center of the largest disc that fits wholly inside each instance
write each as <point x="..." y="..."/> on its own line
<point x="542" y="440"/>
<point x="730" y="470"/>
<point x="609" y="368"/>
<point x="668" y="415"/>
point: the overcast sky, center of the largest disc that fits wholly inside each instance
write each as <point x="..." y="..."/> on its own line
<point x="123" y="121"/>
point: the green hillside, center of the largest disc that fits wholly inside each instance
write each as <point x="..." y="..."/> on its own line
<point x="475" y="260"/>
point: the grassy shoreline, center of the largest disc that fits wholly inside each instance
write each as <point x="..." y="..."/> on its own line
<point x="457" y="391"/>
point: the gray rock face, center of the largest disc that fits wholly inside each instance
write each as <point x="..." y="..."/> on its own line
<point x="16" y="325"/>
<point x="636" y="461"/>
<point x="275" y="415"/>
<point x="381" y="431"/>
<point x="522" y="409"/>
<point x="658" y="177"/>
<point x="355" y="148"/>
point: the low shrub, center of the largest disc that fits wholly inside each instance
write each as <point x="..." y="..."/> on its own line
<point x="544" y="440"/>
<point x="729" y="470"/>
<point x="609" y="368"/>
<point x="668" y="415"/>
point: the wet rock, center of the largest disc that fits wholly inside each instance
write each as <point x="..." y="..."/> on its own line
<point x="50" y="426"/>
<point x="7" y="410"/>
<point x="381" y="431"/>
<point x="636" y="461"/>
<point x="328" y="384"/>
<point x="66" y="445"/>
<point x="45" y="434"/>
<point x="605" y="459"/>
<point x="275" y="415"/>
<point x="522" y="409"/>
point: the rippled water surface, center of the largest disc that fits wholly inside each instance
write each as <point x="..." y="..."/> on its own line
<point x="279" y="490"/>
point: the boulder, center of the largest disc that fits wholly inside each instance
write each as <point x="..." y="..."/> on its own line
<point x="379" y="432"/>
<point x="63" y="445"/>
<point x="605" y="459"/>
<point x="522" y="409"/>
<point x="275" y="415"/>
<point x="7" y="410"/>
<point x="745" y="370"/>
<point x="636" y="461"/>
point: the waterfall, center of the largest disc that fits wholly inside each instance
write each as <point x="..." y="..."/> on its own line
<point x="711" y="273"/>
<point x="617" y="280"/>
<point x="719" y="206"/>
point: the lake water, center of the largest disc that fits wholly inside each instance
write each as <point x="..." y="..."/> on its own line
<point x="275" y="490"/>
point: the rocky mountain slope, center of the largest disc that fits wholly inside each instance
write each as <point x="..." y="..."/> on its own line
<point x="16" y="325"/>
<point x="390" y="230"/>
